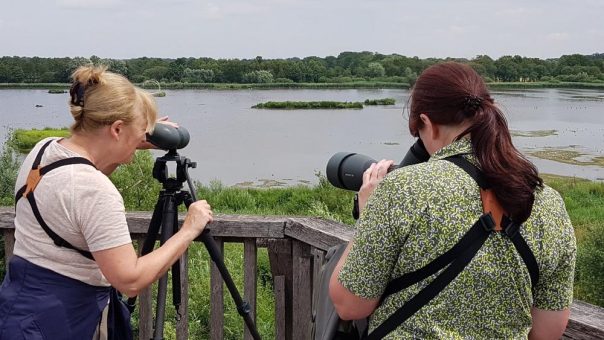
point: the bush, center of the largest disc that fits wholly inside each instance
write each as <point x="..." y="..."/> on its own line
<point x="24" y="140"/>
<point x="9" y="168"/>
<point x="136" y="184"/>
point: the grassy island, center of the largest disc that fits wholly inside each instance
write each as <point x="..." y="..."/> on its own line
<point x="383" y="101"/>
<point x="293" y="105"/>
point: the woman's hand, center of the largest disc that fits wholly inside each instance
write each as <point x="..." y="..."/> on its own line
<point x="199" y="215"/>
<point x="145" y="145"/>
<point x="371" y="177"/>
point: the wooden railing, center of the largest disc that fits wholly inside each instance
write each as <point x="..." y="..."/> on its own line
<point x="296" y="249"/>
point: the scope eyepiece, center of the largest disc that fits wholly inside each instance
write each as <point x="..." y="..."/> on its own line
<point x="167" y="137"/>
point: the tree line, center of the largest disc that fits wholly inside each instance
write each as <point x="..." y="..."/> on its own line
<point x="347" y="67"/>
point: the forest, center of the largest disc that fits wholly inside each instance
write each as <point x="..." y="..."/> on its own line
<point x="346" y="68"/>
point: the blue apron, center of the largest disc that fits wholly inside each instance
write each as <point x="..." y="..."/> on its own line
<point x="37" y="303"/>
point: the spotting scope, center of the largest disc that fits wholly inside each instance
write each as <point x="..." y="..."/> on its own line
<point x="168" y="137"/>
<point x="345" y="169"/>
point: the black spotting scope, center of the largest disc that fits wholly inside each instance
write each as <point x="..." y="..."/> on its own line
<point x="167" y="137"/>
<point x="345" y="169"/>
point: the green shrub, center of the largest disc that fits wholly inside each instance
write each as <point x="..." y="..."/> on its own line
<point x="9" y="168"/>
<point x="584" y="201"/>
<point x="136" y="184"/>
<point x="24" y="140"/>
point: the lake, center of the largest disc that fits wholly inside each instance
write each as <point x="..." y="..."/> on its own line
<point x="242" y="146"/>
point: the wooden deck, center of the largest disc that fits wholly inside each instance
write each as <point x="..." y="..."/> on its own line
<point x="296" y="248"/>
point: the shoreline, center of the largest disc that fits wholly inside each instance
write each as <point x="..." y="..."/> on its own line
<point x="355" y="85"/>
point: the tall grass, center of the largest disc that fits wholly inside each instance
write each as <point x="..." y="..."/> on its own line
<point x="24" y="140"/>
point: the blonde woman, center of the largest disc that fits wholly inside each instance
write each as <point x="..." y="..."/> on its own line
<point x="72" y="241"/>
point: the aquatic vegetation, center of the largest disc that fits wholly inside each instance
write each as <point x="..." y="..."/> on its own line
<point x="537" y="133"/>
<point x="568" y="156"/>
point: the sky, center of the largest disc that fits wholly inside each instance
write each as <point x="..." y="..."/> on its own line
<point x="224" y="29"/>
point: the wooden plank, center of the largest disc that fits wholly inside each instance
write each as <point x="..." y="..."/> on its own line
<point x="7" y="217"/>
<point x="586" y="322"/>
<point x="280" y="257"/>
<point x="9" y="245"/>
<point x="145" y="305"/>
<point x="250" y="280"/>
<point x="317" y="232"/>
<point x="182" y="324"/>
<point x="222" y="226"/>
<point x="301" y="290"/>
<point x="318" y="259"/>
<point x="217" y="299"/>
<point x="280" y="320"/>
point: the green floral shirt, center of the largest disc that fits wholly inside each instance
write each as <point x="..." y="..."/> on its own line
<point x="417" y="213"/>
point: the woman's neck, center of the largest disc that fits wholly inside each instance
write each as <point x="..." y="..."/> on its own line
<point x="93" y="148"/>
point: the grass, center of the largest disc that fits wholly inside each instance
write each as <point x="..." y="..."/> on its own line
<point x="383" y="101"/>
<point x="311" y="105"/>
<point x="57" y="91"/>
<point x="24" y="140"/>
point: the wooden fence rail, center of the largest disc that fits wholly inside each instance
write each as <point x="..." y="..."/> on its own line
<point x="296" y="248"/>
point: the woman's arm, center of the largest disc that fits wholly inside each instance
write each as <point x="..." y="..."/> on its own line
<point x="129" y="273"/>
<point x="348" y="305"/>
<point x="548" y="324"/>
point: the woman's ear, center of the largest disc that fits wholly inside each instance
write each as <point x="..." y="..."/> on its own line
<point x="116" y="129"/>
<point x="431" y="128"/>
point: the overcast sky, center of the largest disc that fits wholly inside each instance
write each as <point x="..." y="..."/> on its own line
<point x="298" y="28"/>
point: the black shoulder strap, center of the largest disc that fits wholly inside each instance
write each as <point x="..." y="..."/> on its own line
<point x="58" y="240"/>
<point x="511" y="229"/>
<point x="455" y="260"/>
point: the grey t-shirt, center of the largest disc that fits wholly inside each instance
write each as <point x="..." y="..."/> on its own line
<point x="77" y="202"/>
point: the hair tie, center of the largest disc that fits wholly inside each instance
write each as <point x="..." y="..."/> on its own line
<point x="77" y="94"/>
<point x="471" y="104"/>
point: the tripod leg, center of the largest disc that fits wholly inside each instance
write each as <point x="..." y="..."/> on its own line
<point x="169" y="213"/>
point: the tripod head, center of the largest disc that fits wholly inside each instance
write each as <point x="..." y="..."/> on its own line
<point x="161" y="173"/>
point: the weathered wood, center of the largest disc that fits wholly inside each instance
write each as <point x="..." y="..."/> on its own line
<point x="241" y="226"/>
<point x="182" y="324"/>
<point x="280" y="322"/>
<point x="145" y="304"/>
<point x="9" y="244"/>
<point x="318" y="259"/>
<point x="319" y="233"/>
<point x="586" y="322"/>
<point x="7" y="217"/>
<point x="302" y="290"/>
<point x="280" y="257"/>
<point x="250" y="280"/>
<point x="217" y="299"/>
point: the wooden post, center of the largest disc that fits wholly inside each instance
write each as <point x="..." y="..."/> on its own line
<point x="250" y="280"/>
<point x="280" y="329"/>
<point x="302" y="290"/>
<point x="217" y="298"/>
<point x="9" y="244"/>
<point x="280" y="256"/>
<point x="318" y="259"/>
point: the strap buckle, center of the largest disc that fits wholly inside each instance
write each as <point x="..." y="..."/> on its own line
<point x="487" y="222"/>
<point x="511" y="228"/>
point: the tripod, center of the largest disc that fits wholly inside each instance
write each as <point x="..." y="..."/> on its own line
<point x="165" y="217"/>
